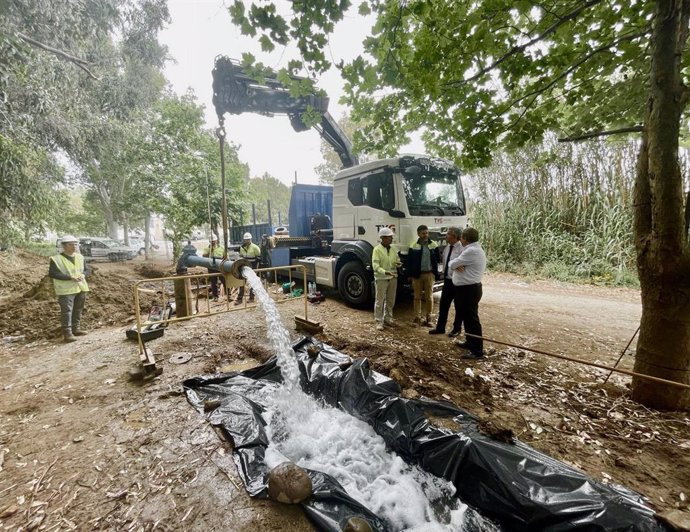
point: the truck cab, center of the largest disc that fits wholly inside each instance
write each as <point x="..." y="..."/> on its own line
<point x="400" y="193"/>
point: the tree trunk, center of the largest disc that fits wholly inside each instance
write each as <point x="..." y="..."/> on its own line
<point x="125" y="229"/>
<point x="147" y="236"/>
<point x="111" y="223"/>
<point x="663" y="254"/>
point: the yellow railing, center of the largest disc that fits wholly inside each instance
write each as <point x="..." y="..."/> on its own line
<point x="184" y="283"/>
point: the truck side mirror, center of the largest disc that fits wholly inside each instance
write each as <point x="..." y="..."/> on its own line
<point x="396" y="213"/>
<point x="413" y="170"/>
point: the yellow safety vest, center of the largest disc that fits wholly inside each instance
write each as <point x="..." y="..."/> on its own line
<point x="251" y="252"/>
<point x="65" y="288"/>
<point x="217" y="252"/>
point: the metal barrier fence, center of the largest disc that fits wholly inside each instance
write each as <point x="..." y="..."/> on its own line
<point x="182" y="289"/>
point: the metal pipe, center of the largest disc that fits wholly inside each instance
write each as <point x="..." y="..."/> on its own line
<point x="585" y="362"/>
<point x="233" y="267"/>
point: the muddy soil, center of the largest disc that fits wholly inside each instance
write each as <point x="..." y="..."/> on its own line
<point x="82" y="447"/>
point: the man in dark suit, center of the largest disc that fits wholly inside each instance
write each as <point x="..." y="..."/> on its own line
<point x="451" y="251"/>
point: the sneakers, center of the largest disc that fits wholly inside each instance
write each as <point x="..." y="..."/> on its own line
<point x="453" y="333"/>
<point x="78" y="332"/>
<point x="473" y="355"/>
<point x="436" y="331"/>
<point x="379" y="326"/>
<point x="427" y="322"/>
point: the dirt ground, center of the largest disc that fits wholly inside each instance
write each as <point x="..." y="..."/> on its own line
<point x="82" y="447"/>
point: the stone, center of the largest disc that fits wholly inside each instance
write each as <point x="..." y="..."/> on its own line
<point x="211" y="404"/>
<point x="357" y="524"/>
<point x="398" y="376"/>
<point x="289" y="483"/>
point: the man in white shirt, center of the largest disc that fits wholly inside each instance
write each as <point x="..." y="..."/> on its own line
<point x="468" y="269"/>
<point x="450" y="252"/>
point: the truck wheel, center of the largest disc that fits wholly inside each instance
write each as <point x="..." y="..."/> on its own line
<point x="354" y="284"/>
<point x="112" y="257"/>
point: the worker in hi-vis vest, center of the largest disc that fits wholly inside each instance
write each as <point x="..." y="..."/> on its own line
<point x="214" y="251"/>
<point x="68" y="272"/>
<point x="251" y="252"/>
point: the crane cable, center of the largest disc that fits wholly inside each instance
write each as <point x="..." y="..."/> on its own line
<point x="224" y="206"/>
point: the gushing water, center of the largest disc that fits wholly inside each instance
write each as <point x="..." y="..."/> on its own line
<point x="329" y="440"/>
<point x="277" y="334"/>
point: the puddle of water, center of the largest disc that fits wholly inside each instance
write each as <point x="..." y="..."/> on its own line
<point x="327" y="439"/>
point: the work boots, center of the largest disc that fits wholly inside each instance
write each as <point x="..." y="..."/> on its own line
<point x="68" y="336"/>
<point x="76" y="330"/>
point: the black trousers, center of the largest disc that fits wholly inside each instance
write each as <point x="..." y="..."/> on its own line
<point x="467" y="298"/>
<point x="448" y="297"/>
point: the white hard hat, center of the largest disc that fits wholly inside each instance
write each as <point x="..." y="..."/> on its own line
<point x="247" y="236"/>
<point x="214" y="238"/>
<point x="385" y="231"/>
<point x="68" y="238"/>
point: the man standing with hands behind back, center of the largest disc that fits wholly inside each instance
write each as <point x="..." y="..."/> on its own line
<point x="384" y="261"/>
<point x="422" y="268"/>
<point x="468" y="269"/>
<point x="68" y="271"/>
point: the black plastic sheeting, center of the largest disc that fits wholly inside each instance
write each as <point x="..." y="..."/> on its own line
<point x="513" y="484"/>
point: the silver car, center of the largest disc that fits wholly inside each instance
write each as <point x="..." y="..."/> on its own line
<point x="104" y="248"/>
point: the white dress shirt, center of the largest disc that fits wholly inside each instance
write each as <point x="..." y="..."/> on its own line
<point x="473" y="259"/>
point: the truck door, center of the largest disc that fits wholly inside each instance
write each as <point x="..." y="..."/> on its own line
<point x="378" y="199"/>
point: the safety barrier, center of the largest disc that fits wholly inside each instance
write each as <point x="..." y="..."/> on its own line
<point x="184" y="285"/>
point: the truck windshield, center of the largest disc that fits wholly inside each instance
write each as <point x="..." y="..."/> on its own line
<point x="434" y="195"/>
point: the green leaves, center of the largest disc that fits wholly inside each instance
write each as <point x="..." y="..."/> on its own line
<point x="479" y="75"/>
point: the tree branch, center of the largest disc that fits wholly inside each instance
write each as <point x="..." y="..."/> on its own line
<point x="517" y="49"/>
<point x="81" y="63"/>
<point x="535" y="93"/>
<point x="595" y="134"/>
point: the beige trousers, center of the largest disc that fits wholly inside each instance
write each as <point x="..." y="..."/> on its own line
<point x="423" y="287"/>
<point x="385" y="300"/>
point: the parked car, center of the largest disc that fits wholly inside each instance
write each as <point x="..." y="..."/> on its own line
<point x="105" y="248"/>
<point x="138" y="245"/>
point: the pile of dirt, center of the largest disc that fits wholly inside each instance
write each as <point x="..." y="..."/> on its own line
<point x="28" y="307"/>
<point x="149" y="270"/>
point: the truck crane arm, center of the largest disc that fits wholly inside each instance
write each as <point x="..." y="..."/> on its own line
<point x="234" y="92"/>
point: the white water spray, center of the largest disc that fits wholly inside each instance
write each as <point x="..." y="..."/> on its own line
<point x="329" y="440"/>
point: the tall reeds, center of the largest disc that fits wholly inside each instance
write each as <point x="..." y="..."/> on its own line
<point x="560" y="210"/>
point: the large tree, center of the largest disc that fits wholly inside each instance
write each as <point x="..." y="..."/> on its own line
<point x="75" y="77"/>
<point x="480" y="75"/>
<point x="178" y="169"/>
<point x="264" y="188"/>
